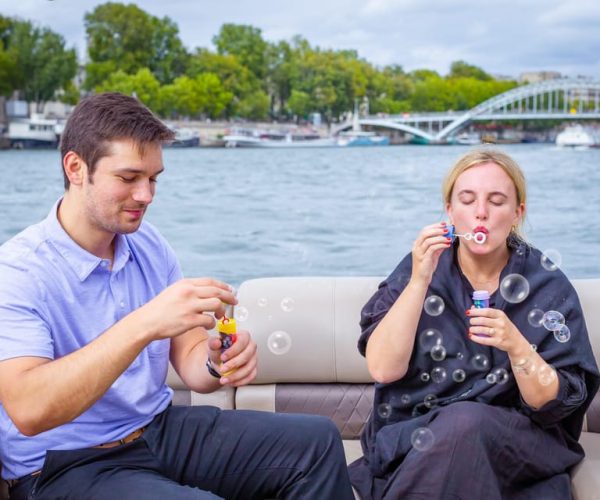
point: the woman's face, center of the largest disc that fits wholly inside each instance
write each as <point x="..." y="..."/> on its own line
<point x="484" y="199"/>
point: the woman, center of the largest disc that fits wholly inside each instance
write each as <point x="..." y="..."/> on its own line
<point x="475" y="403"/>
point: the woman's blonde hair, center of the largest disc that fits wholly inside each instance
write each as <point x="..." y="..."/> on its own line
<point x="484" y="155"/>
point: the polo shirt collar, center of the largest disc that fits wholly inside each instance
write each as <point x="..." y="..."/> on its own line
<point x="80" y="260"/>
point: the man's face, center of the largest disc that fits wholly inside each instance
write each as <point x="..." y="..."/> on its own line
<point x="122" y="187"/>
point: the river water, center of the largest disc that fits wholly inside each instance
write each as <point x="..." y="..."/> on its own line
<point x="236" y="214"/>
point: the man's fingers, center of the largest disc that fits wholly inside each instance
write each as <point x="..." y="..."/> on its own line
<point x="210" y="282"/>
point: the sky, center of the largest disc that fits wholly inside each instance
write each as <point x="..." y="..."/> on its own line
<point x="504" y="37"/>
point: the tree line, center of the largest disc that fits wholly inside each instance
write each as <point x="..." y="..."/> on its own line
<point x="243" y="75"/>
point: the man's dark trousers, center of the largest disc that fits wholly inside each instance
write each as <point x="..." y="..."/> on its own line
<point x="204" y="453"/>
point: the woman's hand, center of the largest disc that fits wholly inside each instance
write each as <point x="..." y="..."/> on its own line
<point x="426" y="251"/>
<point x="492" y="327"/>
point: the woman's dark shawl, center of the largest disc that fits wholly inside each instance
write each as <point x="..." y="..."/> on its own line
<point x="549" y="290"/>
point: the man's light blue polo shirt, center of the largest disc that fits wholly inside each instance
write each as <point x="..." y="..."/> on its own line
<point x="55" y="297"/>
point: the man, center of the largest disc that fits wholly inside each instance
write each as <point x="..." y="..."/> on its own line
<point x="92" y="308"/>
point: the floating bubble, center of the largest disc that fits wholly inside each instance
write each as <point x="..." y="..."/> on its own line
<point x="480" y="362"/>
<point x="514" y="288"/>
<point x="490" y="378"/>
<point x="562" y="334"/>
<point x="430" y="400"/>
<point x="429" y="338"/>
<point x="422" y="439"/>
<point x="460" y="355"/>
<point x="439" y="375"/>
<point x="425" y="377"/>
<point x="546" y="374"/>
<point x="405" y="399"/>
<point x="262" y="302"/>
<point x="534" y="347"/>
<point x="287" y="304"/>
<point x="279" y="342"/>
<point x="384" y="410"/>
<point x="501" y="375"/>
<point x="241" y="313"/>
<point x="551" y="259"/>
<point x="434" y="305"/>
<point x="438" y="352"/>
<point x="459" y="375"/>
<point x="535" y="317"/>
<point x="552" y="320"/>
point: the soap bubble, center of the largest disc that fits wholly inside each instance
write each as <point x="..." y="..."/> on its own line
<point x="514" y="288"/>
<point x="552" y="320"/>
<point x="562" y="334"/>
<point x="425" y="377"/>
<point x="546" y="374"/>
<point x="480" y="362"/>
<point x="534" y="347"/>
<point x="429" y="338"/>
<point x="501" y="375"/>
<point x="262" y="302"/>
<point x="279" y="342"/>
<point x="240" y="313"/>
<point x="438" y="374"/>
<point x="384" y="410"/>
<point x="551" y="259"/>
<point x="438" y="352"/>
<point x="490" y="378"/>
<point x="459" y="355"/>
<point x="405" y="399"/>
<point x="434" y="305"/>
<point x="535" y="317"/>
<point x="287" y="304"/>
<point x="459" y="375"/>
<point x="430" y="400"/>
<point x="422" y="439"/>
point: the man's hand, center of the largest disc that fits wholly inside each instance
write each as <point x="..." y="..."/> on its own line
<point x="184" y="306"/>
<point x="237" y="365"/>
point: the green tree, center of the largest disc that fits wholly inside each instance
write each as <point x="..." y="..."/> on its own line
<point x="143" y="84"/>
<point x="236" y="78"/>
<point x="42" y="63"/>
<point x="246" y="44"/>
<point x="124" y="37"/>
<point x="202" y="95"/>
<point x="461" y="69"/>
<point x="300" y="103"/>
<point x="390" y="90"/>
<point x="254" y="106"/>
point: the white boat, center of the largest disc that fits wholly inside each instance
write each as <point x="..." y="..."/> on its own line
<point x="359" y="137"/>
<point x="34" y="132"/>
<point x="578" y="136"/>
<point x="468" y="139"/>
<point x="184" y="137"/>
<point x="362" y="138"/>
<point x="254" y="139"/>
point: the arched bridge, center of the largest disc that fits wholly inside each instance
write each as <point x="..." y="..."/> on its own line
<point x="548" y="100"/>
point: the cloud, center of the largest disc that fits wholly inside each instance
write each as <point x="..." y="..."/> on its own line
<point x="501" y="36"/>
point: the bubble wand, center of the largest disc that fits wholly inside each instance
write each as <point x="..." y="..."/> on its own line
<point x="478" y="237"/>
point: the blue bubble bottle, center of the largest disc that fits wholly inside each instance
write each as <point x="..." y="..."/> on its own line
<point x="481" y="299"/>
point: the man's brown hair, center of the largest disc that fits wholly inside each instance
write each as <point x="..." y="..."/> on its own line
<point x="99" y="119"/>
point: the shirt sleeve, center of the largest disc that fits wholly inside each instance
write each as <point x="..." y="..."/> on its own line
<point x="23" y="329"/>
<point x="572" y="393"/>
